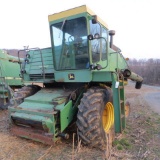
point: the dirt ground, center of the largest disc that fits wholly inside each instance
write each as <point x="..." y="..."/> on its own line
<point x="140" y="140"/>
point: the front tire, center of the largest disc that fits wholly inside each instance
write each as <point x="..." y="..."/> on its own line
<point x="95" y="117"/>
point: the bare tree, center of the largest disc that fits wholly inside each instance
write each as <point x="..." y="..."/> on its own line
<point x="149" y="69"/>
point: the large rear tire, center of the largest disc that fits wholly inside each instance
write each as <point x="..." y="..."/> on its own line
<point x="95" y="117"/>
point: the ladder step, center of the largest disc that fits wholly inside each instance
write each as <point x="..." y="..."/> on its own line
<point x="122" y="116"/>
<point x="2" y="83"/>
<point x="121" y="87"/>
<point x="2" y="96"/>
<point x="3" y="91"/>
<point x="121" y="101"/>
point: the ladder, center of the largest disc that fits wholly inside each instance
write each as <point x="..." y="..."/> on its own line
<point x="122" y="105"/>
<point x="119" y="106"/>
<point x="3" y="86"/>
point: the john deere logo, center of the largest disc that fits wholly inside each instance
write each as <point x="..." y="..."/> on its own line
<point x="71" y="76"/>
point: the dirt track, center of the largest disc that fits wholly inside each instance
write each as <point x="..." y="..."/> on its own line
<point x="153" y="100"/>
<point x="150" y="94"/>
<point x="142" y="136"/>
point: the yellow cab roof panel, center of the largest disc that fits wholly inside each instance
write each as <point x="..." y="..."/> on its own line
<point x="72" y="12"/>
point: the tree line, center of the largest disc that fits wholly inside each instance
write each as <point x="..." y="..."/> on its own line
<point x="149" y="69"/>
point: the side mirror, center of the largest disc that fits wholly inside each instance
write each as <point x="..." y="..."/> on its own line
<point x="94" y="20"/>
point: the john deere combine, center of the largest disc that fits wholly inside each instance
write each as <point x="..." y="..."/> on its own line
<point x="9" y="77"/>
<point x="83" y="81"/>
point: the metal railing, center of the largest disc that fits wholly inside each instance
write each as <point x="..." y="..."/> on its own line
<point x="23" y="64"/>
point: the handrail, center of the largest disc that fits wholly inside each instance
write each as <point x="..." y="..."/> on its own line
<point x="32" y="49"/>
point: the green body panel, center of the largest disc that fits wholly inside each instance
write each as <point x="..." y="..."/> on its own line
<point x="44" y="107"/>
<point x="67" y="114"/>
<point x="28" y="116"/>
<point x="10" y="69"/>
<point x="116" y="60"/>
<point x="103" y="76"/>
<point x="34" y="69"/>
<point x="9" y="76"/>
<point x="73" y="76"/>
<point x="47" y="122"/>
<point x="39" y="68"/>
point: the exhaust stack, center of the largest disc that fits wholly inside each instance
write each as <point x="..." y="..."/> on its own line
<point x="111" y="33"/>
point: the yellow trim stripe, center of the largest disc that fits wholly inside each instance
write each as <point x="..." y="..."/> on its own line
<point x="72" y="12"/>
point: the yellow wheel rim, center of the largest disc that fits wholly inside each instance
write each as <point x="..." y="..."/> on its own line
<point x="108" y="116"/>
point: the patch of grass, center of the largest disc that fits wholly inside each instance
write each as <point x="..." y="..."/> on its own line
<point x="148" y="119"/>
<point x="119" y="147"/>
<point x="115" y="143"/>
<point x="125" y="143"/>
<point x="122" y="144"/>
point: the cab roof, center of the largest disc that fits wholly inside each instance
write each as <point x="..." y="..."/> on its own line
<point x="74" y="11"/>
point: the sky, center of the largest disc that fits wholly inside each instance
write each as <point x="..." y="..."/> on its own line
<point x="136" y="22"/>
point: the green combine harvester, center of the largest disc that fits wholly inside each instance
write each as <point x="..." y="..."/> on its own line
<point x="83" y="76"/>
<point x="9" y="77"/>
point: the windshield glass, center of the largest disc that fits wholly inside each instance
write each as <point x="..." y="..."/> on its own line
<point x="70" y="44"/>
